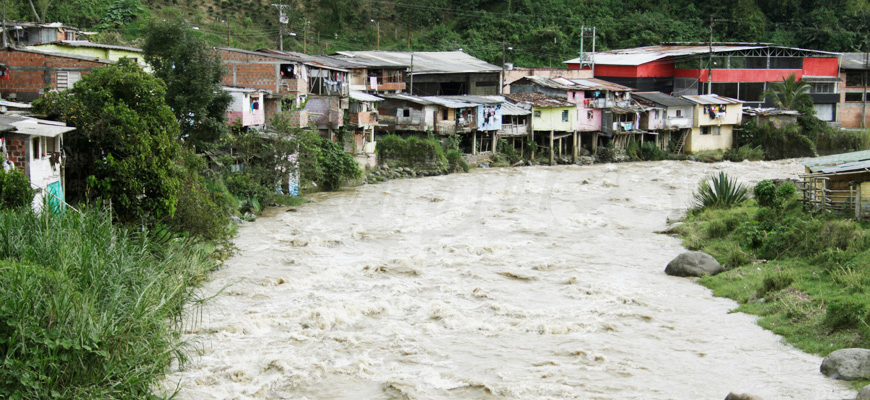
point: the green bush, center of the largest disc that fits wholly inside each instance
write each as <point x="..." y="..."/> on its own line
<point x="709" y="156"/>
<point x="15" y="190"/>
<point x="510" y="153"/>
<point x="89" y="310"/>
<point x="338" y="166"/>
<point x="745" y="152"/>
<point x="412" y="152"/>
<point x="720" y="191"/>
<point x="650" y="152"/>
<point x="456" y="161"/>
<point x="765" y="193"/>
<point x="845" y="313"/>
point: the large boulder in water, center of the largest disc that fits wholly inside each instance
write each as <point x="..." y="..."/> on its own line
<point x="693" y="263"/>
<point x="847" y="364"/>
<point x="864" y="394"/>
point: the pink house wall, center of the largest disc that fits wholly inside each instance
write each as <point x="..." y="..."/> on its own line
<point x="584" y="124"/>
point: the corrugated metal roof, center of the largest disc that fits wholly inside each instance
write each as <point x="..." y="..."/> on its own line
<point x="426" y="62"/>
<point x="228" y="88"/>
<point x="477" y="99"/>
<point x="316" y="61"/>
<point x="853" y="61"/>
<point x="575" y="84"/>
<point x="407" y="97"/>
<point x="35" y="127"/>
<point x="711" y="99"/>
<point x="363" y="96"/>
<point x="815" y="164"/>
<point x="600" y="84"/>
<point x="662" y="99"/>
<point x="642" y="55"/>
<point x="85" y="43"/>
<point x="508" y="108"/>
<point x="449" y="102"/>
<point x="848" y="167"/>
<point x="537" y="100"/>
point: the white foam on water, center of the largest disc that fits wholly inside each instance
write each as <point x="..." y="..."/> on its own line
<point x="523" y="283"/>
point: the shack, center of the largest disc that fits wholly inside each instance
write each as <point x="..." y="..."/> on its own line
<point x="839" y="183"/>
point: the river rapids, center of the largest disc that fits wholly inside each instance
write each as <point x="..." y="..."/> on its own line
<point x="510" y="283"/>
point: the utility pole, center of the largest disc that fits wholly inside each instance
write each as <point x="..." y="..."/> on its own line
<point x="4" y="25"/>
<point x="412" y="74"/>
<point x="587" y="58"/>
<point x="503" y="65"/>
<point x="864" y="84"/>
<point x="710" y="62"/>
<point x="282" y="20"/>
<point x="378" y="25"/>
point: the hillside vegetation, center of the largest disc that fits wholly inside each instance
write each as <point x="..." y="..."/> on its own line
<point x="541" y="32"/>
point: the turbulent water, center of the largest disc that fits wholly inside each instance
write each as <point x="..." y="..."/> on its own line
<point x="519" y="283"/>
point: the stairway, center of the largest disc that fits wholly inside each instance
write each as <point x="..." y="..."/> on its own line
<point x="681" y="142"/>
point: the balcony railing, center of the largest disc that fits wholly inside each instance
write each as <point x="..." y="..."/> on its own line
<point x="678" y="123"/>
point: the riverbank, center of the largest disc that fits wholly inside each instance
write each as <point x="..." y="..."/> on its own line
<point x="500" y="283"/>
<point x="803" y="274"/>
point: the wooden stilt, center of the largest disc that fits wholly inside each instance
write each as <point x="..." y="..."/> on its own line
<point x="552" y="153"/>
<point x="574" y="147"/>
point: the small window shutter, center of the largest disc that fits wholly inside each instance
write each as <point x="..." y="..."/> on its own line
<point x="66" y="79"/>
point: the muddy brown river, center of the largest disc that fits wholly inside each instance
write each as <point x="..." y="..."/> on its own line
<point x="512" y="283"/>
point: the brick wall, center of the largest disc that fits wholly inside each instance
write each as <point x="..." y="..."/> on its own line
<point x="30" y="73"/>
<point x="257" y="71"/>
<point x="850" y="115"/>
<point x="16" y="150"/>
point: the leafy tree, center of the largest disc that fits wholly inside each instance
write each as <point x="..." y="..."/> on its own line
<point x="15" y="190"/>
<point x="124" y="145"/>
<point x="193" y="73"/>
<point x="789" y="94"/>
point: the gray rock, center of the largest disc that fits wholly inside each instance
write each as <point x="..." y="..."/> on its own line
<point x="864" y="394"/>
<point x="743" y="396"/>
<point x="847" y="364"/>
<point x="693" y="263"/>
<point x="237" y="220"/>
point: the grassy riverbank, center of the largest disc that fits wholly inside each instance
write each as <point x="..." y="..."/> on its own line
<point x="89" y="309"/>
<point x="803" y="274"/>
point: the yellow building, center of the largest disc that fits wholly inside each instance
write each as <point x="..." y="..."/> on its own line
<point x="714" y="120"/>
<point x="89" y="49"/>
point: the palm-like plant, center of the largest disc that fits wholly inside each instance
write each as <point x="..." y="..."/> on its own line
<point x="790" y="94"/>
<point x="720" y="191"/>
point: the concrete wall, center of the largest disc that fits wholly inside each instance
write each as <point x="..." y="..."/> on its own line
<point x="551" y="119"/>
<point x="241" y="109"/>
<point x="697" y="142"/>
<point x="733" y="116"/>
<point x="584" y="122"/>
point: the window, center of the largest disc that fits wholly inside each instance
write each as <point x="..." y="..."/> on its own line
<point x="716" y="130"/>
<point x="590" y="114"/>
<point x="725" y="89"/>
<point x="537" y="114"/>
<point x="786" y="63"/>
<point x="854" y="97"/>
<point x="679" y="113"/>
<point x="287" y="71"/>
<point x="564" y="115"/>
<point x="406" y="112"/>
<point x="822" y="87"/>
<point x="855" y="78"/>
<point x="35" y="148"/>
<point x="66" y="79"/>
<point x="751" y="91"/>
<point x="711" y="130"/>
<point x="705" y="130"/>
<point x="444" y="114"/>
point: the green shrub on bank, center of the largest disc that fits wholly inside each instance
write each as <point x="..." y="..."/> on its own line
<point x="804" y="274"/>
<point x="88" y="310"/>
<point x="650" y="152"/>
<point x="412" y="152"/>
<point x="15" y="190"/>
<point x="720" y="191"/>
<point x="745" y="152"/>
<point x="456" y="162"/>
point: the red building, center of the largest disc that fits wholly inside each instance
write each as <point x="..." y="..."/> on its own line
<point x="740" y="71"/>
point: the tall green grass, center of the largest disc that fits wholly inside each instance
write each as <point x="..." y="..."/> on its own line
<point x="88" y="309"/>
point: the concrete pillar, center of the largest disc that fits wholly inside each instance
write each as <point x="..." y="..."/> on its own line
<point x="552" y="153"/>
<point x="576" y="142"/>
